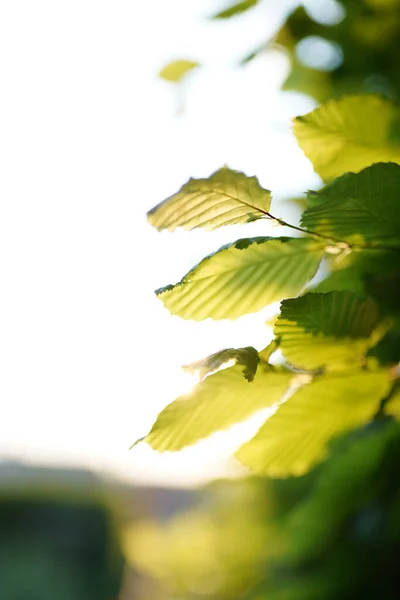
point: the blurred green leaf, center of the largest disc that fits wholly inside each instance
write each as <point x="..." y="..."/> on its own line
<point x="244" y="277"/>
<point x="177" y="70"/>
<point x="297" y="435"/>
<point x="333" y="329"/>
<point x="308" y="81"/>
<point x="343" y="489"/>
<point x="218" y="402"/>
<point x="226" y="198"/>
<point x="357" y="271"/>
<point x="235" y="9"/>
<point x="349" y="134"/>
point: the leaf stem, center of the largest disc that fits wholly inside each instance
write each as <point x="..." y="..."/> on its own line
<point x="312" y="233"/>
<point x="329" y="239"/>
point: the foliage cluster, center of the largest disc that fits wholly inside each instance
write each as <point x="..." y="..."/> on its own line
<point x="339" y="338"/>
<point x="326" y="521"/>
<point x="334" y="48"/>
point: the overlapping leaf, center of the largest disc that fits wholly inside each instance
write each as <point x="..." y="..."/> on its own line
<point x="226" y="198"/>
<point x="349" y="134"/>
<point x="349" y="278"/>
<point x="359" y="208"/>
<point x="236" y="9"/>
<point x="177" y="70"/>
<point x="244" y="277"/>
<point x="297" y="435"/>
<point x="248" y="357"/>
<point x="218" y="402"/>
<point x="354" y="270"/>
<point x="326" y="329"/>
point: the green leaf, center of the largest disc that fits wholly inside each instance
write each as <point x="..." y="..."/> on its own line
<point x="236" y="9"/>
<point x="248" y="357"/>
<point x="252" y="55"/>
<point x="349" y="134"/>
<point x="344" y="279"/>
<point x="308" y="81"/>
<point x="297" y="435"/>
<point x="218" y="402"/>
<point x="175" y="71"/>
<point x="244" y="277"/>
<point x="226" y="198"/>
<point x="332" y="329"/>
<point x="359" y="208"/>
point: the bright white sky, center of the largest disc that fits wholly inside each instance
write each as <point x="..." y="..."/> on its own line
<point x="89" y="141"/>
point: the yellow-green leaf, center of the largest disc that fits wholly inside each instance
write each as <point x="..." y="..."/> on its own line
<point x="244" y="277"/>
<point x="226" y="198"/>
<point x="349" y="134"/>
<point x="218" y="402"/>
<point x="297" y="435"/>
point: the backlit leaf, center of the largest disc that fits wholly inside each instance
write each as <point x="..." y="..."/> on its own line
<point x="218" y="402"/>
<point x="349" y="134"/>
<point x="226" y="198"/>
<point x="297" y="435"/>
<point x="359" y="208"/>
<point x="326" y="329"/>
<point x="244" y="277"/>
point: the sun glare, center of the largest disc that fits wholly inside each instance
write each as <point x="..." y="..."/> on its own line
<point x="90" y="142"/>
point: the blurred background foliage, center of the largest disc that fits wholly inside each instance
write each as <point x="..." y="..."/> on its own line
<point x="349" y="50"/>
<point x="59" y="536"/>
<point x="334" y="47"/>
<point x="333" y="533"/>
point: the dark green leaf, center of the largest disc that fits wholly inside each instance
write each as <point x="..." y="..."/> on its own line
<point x="359" y="208"/>
<point x="333" y="329"/>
